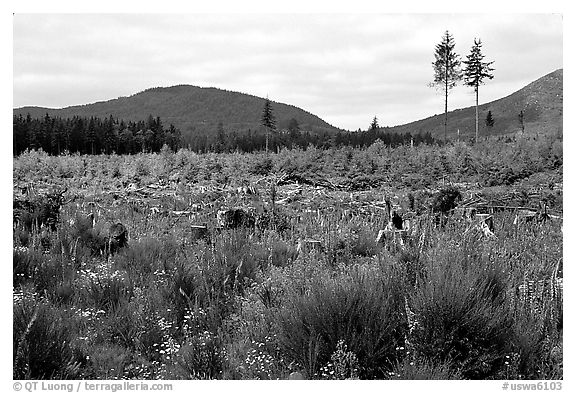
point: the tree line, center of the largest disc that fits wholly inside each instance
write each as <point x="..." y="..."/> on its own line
<point x="94" y="135"/>
<point x="272" y="139"/>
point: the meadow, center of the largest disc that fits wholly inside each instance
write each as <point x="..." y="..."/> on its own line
<point x="304" y="288"/>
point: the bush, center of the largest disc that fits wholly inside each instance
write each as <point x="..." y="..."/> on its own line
<point x="446" y="199"/>
<point x="462" y="316"/>
<point x="364" y="309"/>
<point x="262" y="166"/>
<point x="38" y="210"/>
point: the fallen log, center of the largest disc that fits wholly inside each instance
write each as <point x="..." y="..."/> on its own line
<point x="300" y="179"/>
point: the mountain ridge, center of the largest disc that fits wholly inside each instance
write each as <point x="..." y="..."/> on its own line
<point x="541" y="102"/>
<point x="196" y="109"/>
<point x="190" y="108"/>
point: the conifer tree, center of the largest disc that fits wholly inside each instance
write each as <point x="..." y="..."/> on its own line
<point x="374" y="125"/>
<point x="268" y="120"/>
<point x="489" y="120"/>
<point x="447" y="71"/>
<point x="476" y="71"/>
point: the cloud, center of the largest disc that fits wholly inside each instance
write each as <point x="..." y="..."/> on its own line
<point x="344" y="68"/>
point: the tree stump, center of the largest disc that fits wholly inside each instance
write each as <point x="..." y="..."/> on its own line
<point x="309" y="245"/>
<point x="199" y="232"/>
<point x="235" y="218"/>
<point x="117" y="237"/>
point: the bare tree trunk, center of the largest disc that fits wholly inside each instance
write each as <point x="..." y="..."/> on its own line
<point x="446" y="105"/>
<point x="476" y="114"/>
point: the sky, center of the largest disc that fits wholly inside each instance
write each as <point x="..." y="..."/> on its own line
<point x="345" y="68"/>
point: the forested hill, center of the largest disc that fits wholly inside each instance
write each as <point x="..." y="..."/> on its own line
<point x="197" y="112"/>
<point x="540" y="102"/>
<point x="194" y="110"/>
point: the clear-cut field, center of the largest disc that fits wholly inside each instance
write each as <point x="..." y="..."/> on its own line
<point x="304" y="287"/>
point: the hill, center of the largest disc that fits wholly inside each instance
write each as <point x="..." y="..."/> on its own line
<point x="541" y="102"/>
<point x="196" y="110"/>
<point x="190" y="108"/>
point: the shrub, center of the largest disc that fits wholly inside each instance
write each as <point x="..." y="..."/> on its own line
<point x="262" y="166"/>
<point x="462" y="316"/>
<point x="364" y="309"/>
<point x="38" y="210"/>
<point x="446" y="199"/>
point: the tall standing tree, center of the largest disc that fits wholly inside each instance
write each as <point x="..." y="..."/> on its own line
<point x="447" y="70"/>
<point x="476" y="71"/>
<point x="268" y="119"/>
<point x="374" y="125"/>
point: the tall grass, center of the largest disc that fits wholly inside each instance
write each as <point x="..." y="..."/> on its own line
<point x="44" y="341"/>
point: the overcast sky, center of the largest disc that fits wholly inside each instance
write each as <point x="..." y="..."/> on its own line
<point x="345" y="68"/>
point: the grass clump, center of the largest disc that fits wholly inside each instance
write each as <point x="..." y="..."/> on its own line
<point x="43" y="340"/>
